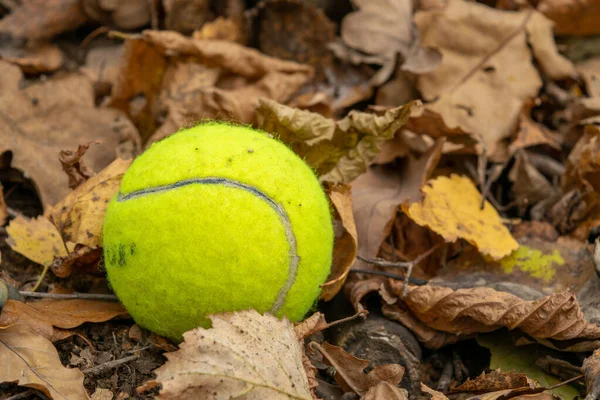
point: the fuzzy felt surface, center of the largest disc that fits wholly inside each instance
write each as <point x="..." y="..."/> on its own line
<point x="175" y="254"/>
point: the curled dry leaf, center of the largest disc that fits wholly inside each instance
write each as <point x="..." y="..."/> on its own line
<point x="350" y="373"/>
<point x="557" y="316"/>
<point x="314" y="323"/>
<point x="37" y="60"/>
<point x="36" y="238"/>
<point x="39" y="20"/>
<point x="532" y="134"/>
<point x="451" y="207"/>
<point x="338" y="150"/>
<point x="344" y="251"/>
<point x="385" y="391"/>
<point x="32" y="361"/>
<point x="494" y="381"/>
<point x="244" y="355"/>
<point x="572" y="17"/>
<point x="42" y="316"/>
<point x="72" y="163"/>
<point x="69" y="101"/>
<point x="382" y="29"/>
<point x="474" y="90"/>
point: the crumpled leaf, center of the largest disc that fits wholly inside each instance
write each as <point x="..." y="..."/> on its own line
<point x="42" y="316"/>
<point x="75" y="168"/>
<point x="350" y="373"/>
<point x="385" y="390"/>
<point x="80" y="215"/>
<point x="36" y="238"/>
<point x="344" y="250"/>
<point x="557" y="316"/>
<point x="244" y="355"/>
<point x="532" y="134"/>
<point x="37" y="20"/>
<point x="572" y="17"/>
<point x="474" y="90"/>
<point x="32" y="361"/>
<point x="382" y="29"/>
<point x="452" y="208"/>
<point x="591" y="370"/>
<point x="377" y="195"/>
<point x="339" y="151"/>
<point x="314" y="323"/>
<point x="68" y="102"/>
<point x="496" y="380"/>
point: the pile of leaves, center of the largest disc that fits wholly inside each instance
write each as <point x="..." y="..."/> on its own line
<point x="459" y="145"/>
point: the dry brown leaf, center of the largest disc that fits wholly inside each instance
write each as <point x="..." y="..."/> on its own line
<point x="382" y="29"/>
<point x="344" y="251"/>
<point x="37" y="60"/>
<point x="42" y="316"/>
<point x="102" y="65"/>
<point x="452" y="208"/>
<point x="338" y="150"/>
<point x="529" y="185"/>
<point x="73" y="165"/>
<point x="385" y="391"/>
<point x="44" y="118"/>
<point x="495" y="381"/>
<point x="314" y="323"/>
<point x="128" y="15"/>
<point x="557" y="316"/>
<point x="350" y="373"/>
<point x="377" y="195"/>
<point x="32" y="361"/>
<point x="532" y="134"/>
<point x="591" y="370"/>
<point x="36" y="238"/>
<point x="572" y="17"/>
<point x="474" y="89"/>
<point x="590" y="71"/>
<point x="80" y="215"/>
<point x="435" y="395"/>
<point x="37" y="20"/>
<point x="244" y="355"/>
<point x="186" y="16"/>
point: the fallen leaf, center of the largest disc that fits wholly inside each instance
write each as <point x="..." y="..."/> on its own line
<point x="244" y="355"/>
<point x="37" y="60"/>
<point x="75" y="168"/>
<point x="589" y="70"/>
<point x="80" y="215"/>
<point x="382" y="29"/>
<point x="572" y="17"/>
<point x="495" y="380"/>
<point x="128" y="15"/>
<point x="350" y="373"/>
<point x="32" y="361"/>
<point x="435" y="395"/>
<point x="339" y="151"/>
<point x="53" y="115"/>
<point x="532" y="134"/>
<point x="529" y="186"/>
<point x="314" y="323"/>
<point x="557" y="316"/>
<point x="522" y="359"/>
<point x="39" y="20"/>
<point x="591" y="370"/>
<point x="185" y="16"/>
<point x="102" y="65"/>
<point x="474" y="90"/>
<point x="36" y="238"/>
<point x="384" y="390"/>
<point x="345" y="247"/>
<point x="377" y="195"/>
<point x="452" y="208"/>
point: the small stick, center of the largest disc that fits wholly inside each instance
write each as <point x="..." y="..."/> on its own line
<point x="89" y="296"/>
<point x="109" y="365"/>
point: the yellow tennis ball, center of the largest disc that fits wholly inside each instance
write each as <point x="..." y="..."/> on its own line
<point x="213" y="219"/>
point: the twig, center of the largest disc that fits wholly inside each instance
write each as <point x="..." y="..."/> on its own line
<point x="90" y="296"/>
<point x="362" y="313"/>
<point x="563" y="383"/>
<point x="109" y="365"/>
<point x="412" y="281"/>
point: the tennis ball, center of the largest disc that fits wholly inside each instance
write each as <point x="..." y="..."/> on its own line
<point x="212" y="219"/>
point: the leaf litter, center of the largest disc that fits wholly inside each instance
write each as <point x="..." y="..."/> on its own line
<point x="460" y="158"/>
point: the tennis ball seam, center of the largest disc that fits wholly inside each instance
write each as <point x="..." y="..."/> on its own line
<point x="279" y="210"/>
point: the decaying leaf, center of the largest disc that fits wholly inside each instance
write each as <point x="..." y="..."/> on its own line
<point x="531" y="133"/>
<point x="338" y="150"/>
<point x="496" y="380"/>
<point x="42" y="316"/>
<point x="314" y="323"/>
<point x="385" y="391"/>
<point x="80" y="215"/>
<point x="557" y="316"/>
<point x="35" y="143"/>
<point x="350" y="373"/>
<point x="572" y="17"/>
<point x="75" y="168"/>
<point x="377" y="194"/>
<point x="244" y="355"/>
<point x="474" y="90"/>
<point x="32" y="361"/>
<point x="451" y="207"/>
<point x="591" y="370"/>
<point x="36" y="238"/>
<point x="382" y="29"/>
<point x="346" y="246"/>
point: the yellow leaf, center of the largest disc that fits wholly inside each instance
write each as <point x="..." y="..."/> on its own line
<point x="36" y="238"/>
<point x="452" y="208"/>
